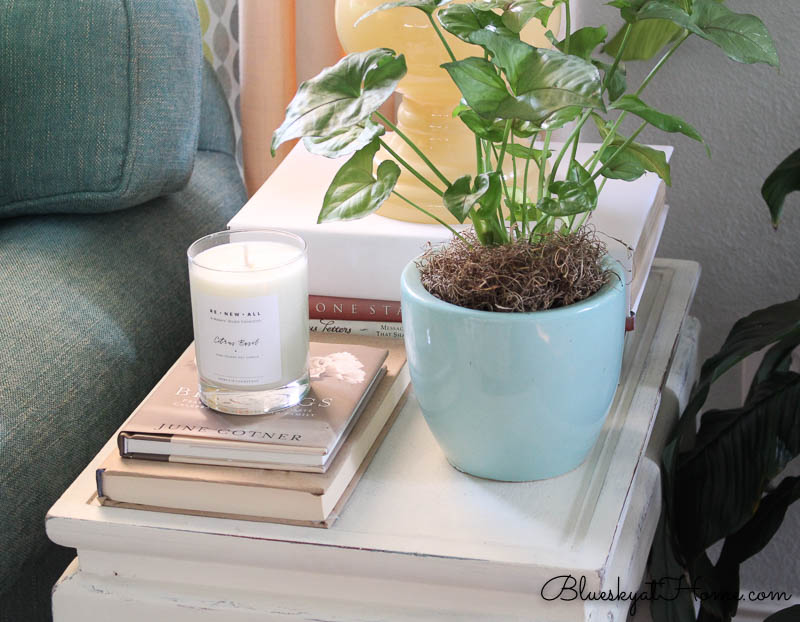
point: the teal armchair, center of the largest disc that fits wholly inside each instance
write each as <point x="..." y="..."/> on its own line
<point x="116" y="152"/>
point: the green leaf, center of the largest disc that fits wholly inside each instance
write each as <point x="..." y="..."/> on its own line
<point x="754" y="535"/>
<point x="345" y="141"/>
<point x="735" y="456"/>
<point x="576" y="195"/>
<point x="646" y="39"/>
<point x="583" y="42"/>
<point x="460" y="198"/>
<point x="482" y="128"/>
<point x="518" y="13"/>
<point x="463" y="20"/>
<point x="744" y="38"/>
<point x="784" y="180"/>
<point x="777" y="359"/>
<point x="341" y="96"/>
<point x="354" y="192"/>
<point x="790" y="614"/>
<point x="426" y="6"/>
<point x="650" y="159"/>
<point x="625" y="165"/>
<point x="543" y="82"/>
<point x="669" y="604"/>
<point x="664" y="10"/>
<point x="748" y="335"/>
<point x="521" y="151"/>
<point x="479" y="83"/>
<point x="660" y="120"/>
<point x="618" y="83"/>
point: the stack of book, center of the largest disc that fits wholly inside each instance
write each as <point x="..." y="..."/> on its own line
<point x="294" y="466"/>
<point x="361" y="261"/>
<point x="355" y="316"/>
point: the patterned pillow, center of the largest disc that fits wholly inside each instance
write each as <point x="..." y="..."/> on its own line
<point x="219" y="21"/>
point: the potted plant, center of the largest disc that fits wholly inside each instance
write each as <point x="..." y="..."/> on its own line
<point x="514" y="330"/>
<point x="724" y="480"/>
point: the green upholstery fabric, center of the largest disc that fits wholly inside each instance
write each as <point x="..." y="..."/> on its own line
<point x="96" y="308"/>
<point x="100" y="103"/>
<point x="216" y="122"/>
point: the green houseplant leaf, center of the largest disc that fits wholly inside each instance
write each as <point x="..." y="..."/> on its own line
<point x="518" y="13"/>
<point x="764" y="434"/>
<point x="790" y="614"/>
<point x="543" y="82"/>
<point x="625" y="165"/>
<point x="463" y="20"/>
<point x="426" y="6"/>
<point x="354" y="192"/>
<point x="584" y="41"/>
<point x="647" y="38"/>
<point x="345" y="141"/>
<point x="784" y="180"/>
<point x="664" y="122"/>
<point x="750" y="334"/>
<point x="744" y="38"/>
<point x="341" y="96"/>
<point x="461" y="197"/>
<point x="575" y="195"/>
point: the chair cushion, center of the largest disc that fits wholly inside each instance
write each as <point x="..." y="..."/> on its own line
<point x="100" y="103"/>
<point x="97" y="308"/>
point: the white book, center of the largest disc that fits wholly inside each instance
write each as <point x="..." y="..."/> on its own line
<point x="364" y="258"/>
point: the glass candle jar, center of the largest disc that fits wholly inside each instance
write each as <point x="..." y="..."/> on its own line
<point x="250" y="314"/>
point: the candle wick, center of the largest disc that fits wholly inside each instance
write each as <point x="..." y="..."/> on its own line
<point x="246" y="256"/>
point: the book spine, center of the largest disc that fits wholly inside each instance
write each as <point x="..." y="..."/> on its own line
<point x="357" y="327"/>
<point x="358" y="309"/>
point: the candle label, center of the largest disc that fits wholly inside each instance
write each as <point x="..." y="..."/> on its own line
<point x="237" y="340"/>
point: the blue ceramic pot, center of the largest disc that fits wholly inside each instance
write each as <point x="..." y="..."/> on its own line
<point x="514" y="396"/>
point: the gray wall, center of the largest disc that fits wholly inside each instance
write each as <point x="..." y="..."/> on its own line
<point x="750" y="116"/>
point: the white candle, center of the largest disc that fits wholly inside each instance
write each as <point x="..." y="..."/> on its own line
<point x="250" y="313"/>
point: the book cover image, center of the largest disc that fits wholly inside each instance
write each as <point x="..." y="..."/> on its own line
<point x="340" y="376"/>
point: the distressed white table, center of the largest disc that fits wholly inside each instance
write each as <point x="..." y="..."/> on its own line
<point x="418" y="540"/>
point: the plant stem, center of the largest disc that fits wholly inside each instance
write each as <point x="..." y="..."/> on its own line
<point x="503" y="147"/>
<point x="568" y="26"/>
<point x="542" y="163"/>
<point x="479" y="155"/>
<point x="441" y="38"/>
<point x="502" y="177"/>
<point x="410" y="168"/>
<point x="660" y="64"/>
<point x="513" y="218"/>
<point x="618" y="58"/>
<point x="525" y="191"/>
<point x="612" y="132"/>
<point x="574" y="136"/>
<point x="627" y="142"/>
<point x="416" y="149"/>
<point x="429" y="214"/>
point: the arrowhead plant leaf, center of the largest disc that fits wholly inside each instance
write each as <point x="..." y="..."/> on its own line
<point x="575" y="195"/>
<point x="463" y="20"/>
<point x="426" y="6"/>
<point x="341" y="96"/>
<point x="664" y="122"/>
<point x="744" y="38"/>
<point x="354" y="191"/>
<point x="543" y="82"/>
<point x="461" y="197"/>
<point x="345" y="141"/>
<point x="584" y="41"/>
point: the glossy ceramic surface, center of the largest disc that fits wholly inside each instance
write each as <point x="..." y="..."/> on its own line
<point x="514" y="396"/>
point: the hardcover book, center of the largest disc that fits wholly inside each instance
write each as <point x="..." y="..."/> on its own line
<point x="270" y="495"/>
<point x="355" y="309"/>
<point x="173" y="425"/>
<point x="363" y="259"/>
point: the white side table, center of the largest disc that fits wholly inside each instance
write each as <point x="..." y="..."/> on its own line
<point x="418" y="540"/>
